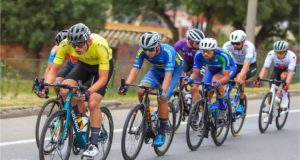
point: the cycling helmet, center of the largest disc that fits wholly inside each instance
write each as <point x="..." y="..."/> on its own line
<point x="195" y="35"/>
<point x="280" y="46"/>
<point x="237" y="36"/>
<point x="78" y="33"/>
<point x="208" y="44"/>
<point x="61" y="36"/>
<point x="149" y="40"/>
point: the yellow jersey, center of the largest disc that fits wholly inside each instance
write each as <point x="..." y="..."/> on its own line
<point x="98" y="53"/>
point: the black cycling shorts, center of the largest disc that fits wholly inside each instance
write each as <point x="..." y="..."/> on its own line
<point x="251" y="72"/>
<point x="86" y="73"/>
<point x="65" y="70"/>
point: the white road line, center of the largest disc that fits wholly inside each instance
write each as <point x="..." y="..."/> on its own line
<point x="115" y="131"/>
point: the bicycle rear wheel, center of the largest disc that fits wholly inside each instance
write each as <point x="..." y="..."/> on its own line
<point x="282" y="116"/>
<point x="264" y="117"/>
<point x="219" y="130"/>
<point x="195" y="127"/>
<point x="178" y="107"/>
<point x="49" y="107"/>
<point x="169" y="132"/>
<point x="239" y="119"/>
<point x="51" y="138"/>
<point x="106" y="134"/>
<point x="133" y="133"/>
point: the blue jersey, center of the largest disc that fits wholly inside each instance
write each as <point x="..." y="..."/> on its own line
<point x="222" y="60"/>
<point x="167" y="60"/>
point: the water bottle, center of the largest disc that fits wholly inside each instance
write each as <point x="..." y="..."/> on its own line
<point x="84" y="124"/>
<point x="213" y="109"/>
<point x="188" y="98"/>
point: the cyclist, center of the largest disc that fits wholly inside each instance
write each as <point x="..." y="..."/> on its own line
<point x="94" y="59"/>
<point x="244" y="54"/>
<point x="188" y="47"/>
<point x="220" y="69"/>
<point x="284" y="69"/>
<point x="165" y="71"/>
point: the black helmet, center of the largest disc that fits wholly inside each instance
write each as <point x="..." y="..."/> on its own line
<point x="78" y="33"/>
<point x="61" y="36"/>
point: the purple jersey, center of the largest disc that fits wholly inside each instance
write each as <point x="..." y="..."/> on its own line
<point x="187" y="53"/>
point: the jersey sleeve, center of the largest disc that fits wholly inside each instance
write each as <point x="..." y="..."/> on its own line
<point x="61" y="52"/>
<point x="197" y="60"/>
<point x="170" y="63"/>
<point x="225" y="60"/>
<point x="139" y="59"/>
<point x="177" y="46"/>
<point x="52" y="54"/>
<point x="292" y="63"/>
<point x="104" y="53"/>
<point x="269" y="60"/>
<point x="250" y="54"/>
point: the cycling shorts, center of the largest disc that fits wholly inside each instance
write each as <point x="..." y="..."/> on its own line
<point x="251" y="72"/>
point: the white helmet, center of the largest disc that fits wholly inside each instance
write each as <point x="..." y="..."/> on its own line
<point x="237" y="36"/>
<point x="149" y="40"/>
<point x="208" y="44"/>
<point x="280" y="46"/>
<point x="195" y="35"/>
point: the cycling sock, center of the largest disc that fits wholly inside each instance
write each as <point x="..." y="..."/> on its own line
<point x="162" y="127"/>
<point x="94" y="135"/>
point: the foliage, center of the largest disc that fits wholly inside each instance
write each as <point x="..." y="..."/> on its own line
<point x="32" y="22"/>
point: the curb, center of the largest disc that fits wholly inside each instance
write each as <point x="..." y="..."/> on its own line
<point x="21" y="111"/>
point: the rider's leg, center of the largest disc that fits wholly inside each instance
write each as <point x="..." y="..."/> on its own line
<point x="95" y="116"/>
<point x="195" y="93"/>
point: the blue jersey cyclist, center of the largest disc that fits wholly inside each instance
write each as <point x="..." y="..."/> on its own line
<point x="165" y="71"/>
<point x="220" y="69"/>
<point x="188" y="47"/>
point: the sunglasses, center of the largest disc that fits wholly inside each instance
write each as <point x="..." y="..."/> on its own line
<point x="148" y="49"/>
<point x="79" y="44"/>
<point x="281" y="53"/>
<point x="236" y="43"/>
<point x="209" y="52"/>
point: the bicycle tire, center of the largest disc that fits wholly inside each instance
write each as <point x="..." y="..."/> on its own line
<point x="136" y="111"/>
<point x="236" y="131"/>
<point x="61" y="116"/>
<point x="178" y="110"/>
<point x="169" y="133"/>
<point x="215" y="134"/>
<point x="191" y="128"/>
<point x="261" y="126"/>
<point x="279" y="125"/>
<point x="41" y="113"/>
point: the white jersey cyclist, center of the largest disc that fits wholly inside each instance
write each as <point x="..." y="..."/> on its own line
<point x="287" y="63"/>
<point x="248" y="52"/>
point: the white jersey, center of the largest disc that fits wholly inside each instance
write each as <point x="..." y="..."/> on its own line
<point x="288" y="62"/>
<point x="247" y="53"/>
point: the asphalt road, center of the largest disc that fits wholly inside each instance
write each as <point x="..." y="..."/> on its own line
<point x="17" y="140"/>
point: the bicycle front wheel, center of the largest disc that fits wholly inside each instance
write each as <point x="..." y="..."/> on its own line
<point x="133" y="133"/>
<point x="52" y="142"/>
<point x="177" y="101"/>
<point x="282" y="116"/>
<point x="239" y="118"/>
<point x="264" y="117"/>
<point x="106" y="134"/>
<point x="49" y="107"/>
<point x="195" y="127"/>
<point x="169" y="132"/>
<point x="219" y="130"/>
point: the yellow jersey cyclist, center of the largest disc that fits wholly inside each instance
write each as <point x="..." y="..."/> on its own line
<point x="166" y="69"/>
<point x="244" y="54"/>
<point x="284" y="69"/>
<point x="94" y="59"/>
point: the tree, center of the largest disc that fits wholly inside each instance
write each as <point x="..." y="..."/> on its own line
<point x="33" y="23"/>
<point x="147" y="9"/>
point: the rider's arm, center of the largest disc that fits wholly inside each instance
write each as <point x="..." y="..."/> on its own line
<point x="195" y="73"/>
<point x="51" y="76"/>
<point x="132" y="75"/>
<point x="246" y="66"/>
<point x="225" y="77"/>
<point x="197" y="65"/>
<point x="167" y="81"/>
<point x="291" y="68"/>
<point x="263" y="72"/>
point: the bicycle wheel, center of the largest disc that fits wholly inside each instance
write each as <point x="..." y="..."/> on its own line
<point x="239" y="119"/>
<point x="51" y="138"/>
<point x="195" y="126"/>
<point x="282" y="116"/>
<point x="264" y="117"/>
<point x="106" y="134"/>
<point x="178" y="106"/>
<point x="169" y="132"/>
<point x="220" y="128"/>
<point x="49" y="107"/>
<point x="133" y="133"/>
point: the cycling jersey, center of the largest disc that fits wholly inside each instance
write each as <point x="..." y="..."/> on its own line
<point x="247" y="53"/>
<point x="222" y="60"/>
<point x="71" y="59"/>
<point x="98" y="53"/>
<point x="188" y="53"/>
<point x="287" y="63"/>
<point x="167" y="60"/>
